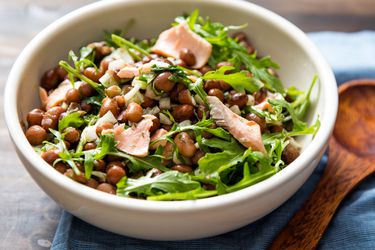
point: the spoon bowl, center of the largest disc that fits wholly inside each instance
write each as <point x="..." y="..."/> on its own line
<point x="351" y="158"/>
<point x="355" y="123"/>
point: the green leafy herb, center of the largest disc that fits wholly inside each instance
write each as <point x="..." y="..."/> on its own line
<point x="302" y="104"/>
<point x="251" y="179"/>
<point x="168" y="182"/>
<point x="76" y="73"/>
<point x="200" y="126"/>
<point x="298" y="124"/>
<point x="197" y="87"/>
<point x="122" y="42"/>
<point x="107" y="144"/>
<point x="178" y="72"/>
<point x="86" y="59"/>
<point x="71" y="120"/>
<point x="198" y="193"/>
<point x="64" y="154"/>
<point x="181" y="76"/>
<point x="140" y="164"/>
<point x="231" y="154"/>
<point x="240" y="81"/>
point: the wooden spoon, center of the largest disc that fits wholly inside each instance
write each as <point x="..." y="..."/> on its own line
<point x="351" y="158"/>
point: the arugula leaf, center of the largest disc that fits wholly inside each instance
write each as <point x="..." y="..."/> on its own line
<point x="232" y="153"/>
<point x="140" y="164"/>
<point x="259" y="68"/>
<point x="77" y="73"/>
<point x="298" y="124"/>
<point x="122" y="42"/>
<point x="193" y="18"/>
<point x="71" y="120"/>
<point x="275" y="117"/>
<point x="96" y="100"/>
<point x="251" y="179"/>
<point x="88" y="163"/>
<point x="197" y="87"/>
<point x="313" y="129"/>
<point x="86" y="59"/>
<point x="198" y="193"/>
<point x="293" y="92"/>
<point x="200" y="126"/>
<point x="177" y="71"/>
<point x="146" y="44"/>
<point x="168" y="182"/>
<point x="64" y="154"/>
<point x="239" y="80"/>
<point x="275" y="149"/>
<point x="302" y="104"/>
<point x="106" y="145"/>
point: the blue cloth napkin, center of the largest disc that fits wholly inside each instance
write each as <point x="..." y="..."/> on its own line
<point x="352" y="56"/>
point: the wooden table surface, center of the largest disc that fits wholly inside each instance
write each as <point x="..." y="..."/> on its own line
<point x="28" y="217"/>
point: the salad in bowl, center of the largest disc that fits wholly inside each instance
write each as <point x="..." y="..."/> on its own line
<point x="193" y="113"/>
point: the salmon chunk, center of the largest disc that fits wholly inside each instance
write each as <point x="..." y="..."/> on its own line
<point x="57" y="96"/>
<point x="158" y="133"/>
<point x="135" y="140"/>
<point x="172" y="41"/>
<point x="128" y="72"/>
<point x="245" y="131"/>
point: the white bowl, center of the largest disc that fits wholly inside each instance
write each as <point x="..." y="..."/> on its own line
<point x="272" y="35"/>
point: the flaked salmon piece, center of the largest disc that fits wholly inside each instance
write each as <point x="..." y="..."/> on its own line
<point x="173" y="40"/>
<point x="135" y="140"/>
<point x="57" y="96"/>
<point x="167" y="153"/>
<point x="158" y="133"/>
<point x="116" y="65"/>
<point x="43" y="96"/>
<point x="245" y="131"/>
<point x="128" y="72"/>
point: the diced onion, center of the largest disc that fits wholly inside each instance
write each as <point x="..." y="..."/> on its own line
<point x="102" y="176"/>
<point x="150" y="93"/>
<point x="198" y="100"/>
<point x="175" y="159"/>
<point x="185" y="123"/>
<point x="108" y="117"/>
<point x="123" y="54"/>
<point x="250" y="100"/>
<point x="132" y="93"/>
<point x="151" y="111"/>
<point x="164" y="119"/>
<point x="89" y="134"/>
<point x="116" y="64"/>
<point x="165" y="103"/>
<point x="107" y="79"/>
<point x="235" y="109"/>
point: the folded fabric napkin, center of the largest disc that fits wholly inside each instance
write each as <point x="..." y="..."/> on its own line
<point x="352" y="56"/>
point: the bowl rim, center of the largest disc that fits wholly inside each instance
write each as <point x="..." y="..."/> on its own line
<point x="310" y="153"/>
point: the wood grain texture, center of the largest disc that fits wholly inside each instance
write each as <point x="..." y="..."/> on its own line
<point x="28" y="218"/>
<point x="351" y="159"/>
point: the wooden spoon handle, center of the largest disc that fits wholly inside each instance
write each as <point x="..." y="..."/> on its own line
<point x="307" y="226"/>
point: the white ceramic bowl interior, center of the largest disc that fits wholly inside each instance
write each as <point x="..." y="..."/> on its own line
<point x="270" y="34"/>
